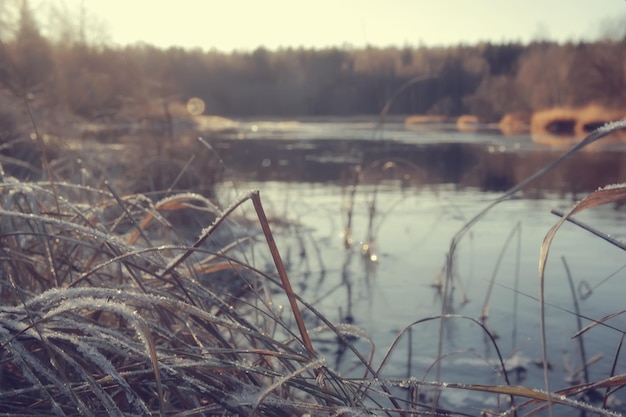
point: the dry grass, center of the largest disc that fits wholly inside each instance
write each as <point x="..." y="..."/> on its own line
<point x="108" y="311"/>
<point x="467" y="123"/>
<point x="514" y="124"/>
<point x="565" y="126"/>
<point x="424" y="118"/>
<point x="593" y="116"/>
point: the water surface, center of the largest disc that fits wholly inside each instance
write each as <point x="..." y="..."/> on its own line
<point x="408" y="193"/>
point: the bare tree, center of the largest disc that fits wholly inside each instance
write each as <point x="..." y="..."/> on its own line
<point x="31" y="54"/>
<point x="598" y="73"/>
<point x="542" y="78"/>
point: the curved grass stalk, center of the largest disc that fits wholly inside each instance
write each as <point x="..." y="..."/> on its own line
<point x="591" y="138"/>
<point x="602" y="196"/>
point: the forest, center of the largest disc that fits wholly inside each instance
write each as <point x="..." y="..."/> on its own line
<point x="67" y="74"/>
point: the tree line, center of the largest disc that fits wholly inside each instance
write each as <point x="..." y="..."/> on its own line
<point x="487" y="80"/>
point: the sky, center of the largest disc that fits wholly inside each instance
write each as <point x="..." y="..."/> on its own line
<point x="228" y="25"/>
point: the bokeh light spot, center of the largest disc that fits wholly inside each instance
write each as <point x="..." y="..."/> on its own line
<point x="195" y="106"/>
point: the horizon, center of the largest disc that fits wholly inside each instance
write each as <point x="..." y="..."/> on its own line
<point x="243" y="26"/>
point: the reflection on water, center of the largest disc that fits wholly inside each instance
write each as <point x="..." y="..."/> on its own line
<point x="488" y="167"/>
<point x="369" y="224"/>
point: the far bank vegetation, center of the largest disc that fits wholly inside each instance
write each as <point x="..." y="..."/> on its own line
<point x="65" y="72"/>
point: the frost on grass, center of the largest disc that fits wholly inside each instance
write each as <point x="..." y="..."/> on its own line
<point x="345" y="329"/>
<point x="246" y="395"/>
<point x="99" y="333"/>
<point x="612" y="126"/>
<point x="186" y="197"/>
<point x="612" y="186"/>
<point x="223" y="215"/>
<point x="106" y="366"/>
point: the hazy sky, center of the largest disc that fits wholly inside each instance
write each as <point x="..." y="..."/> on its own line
<point x="246" y="24"/>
